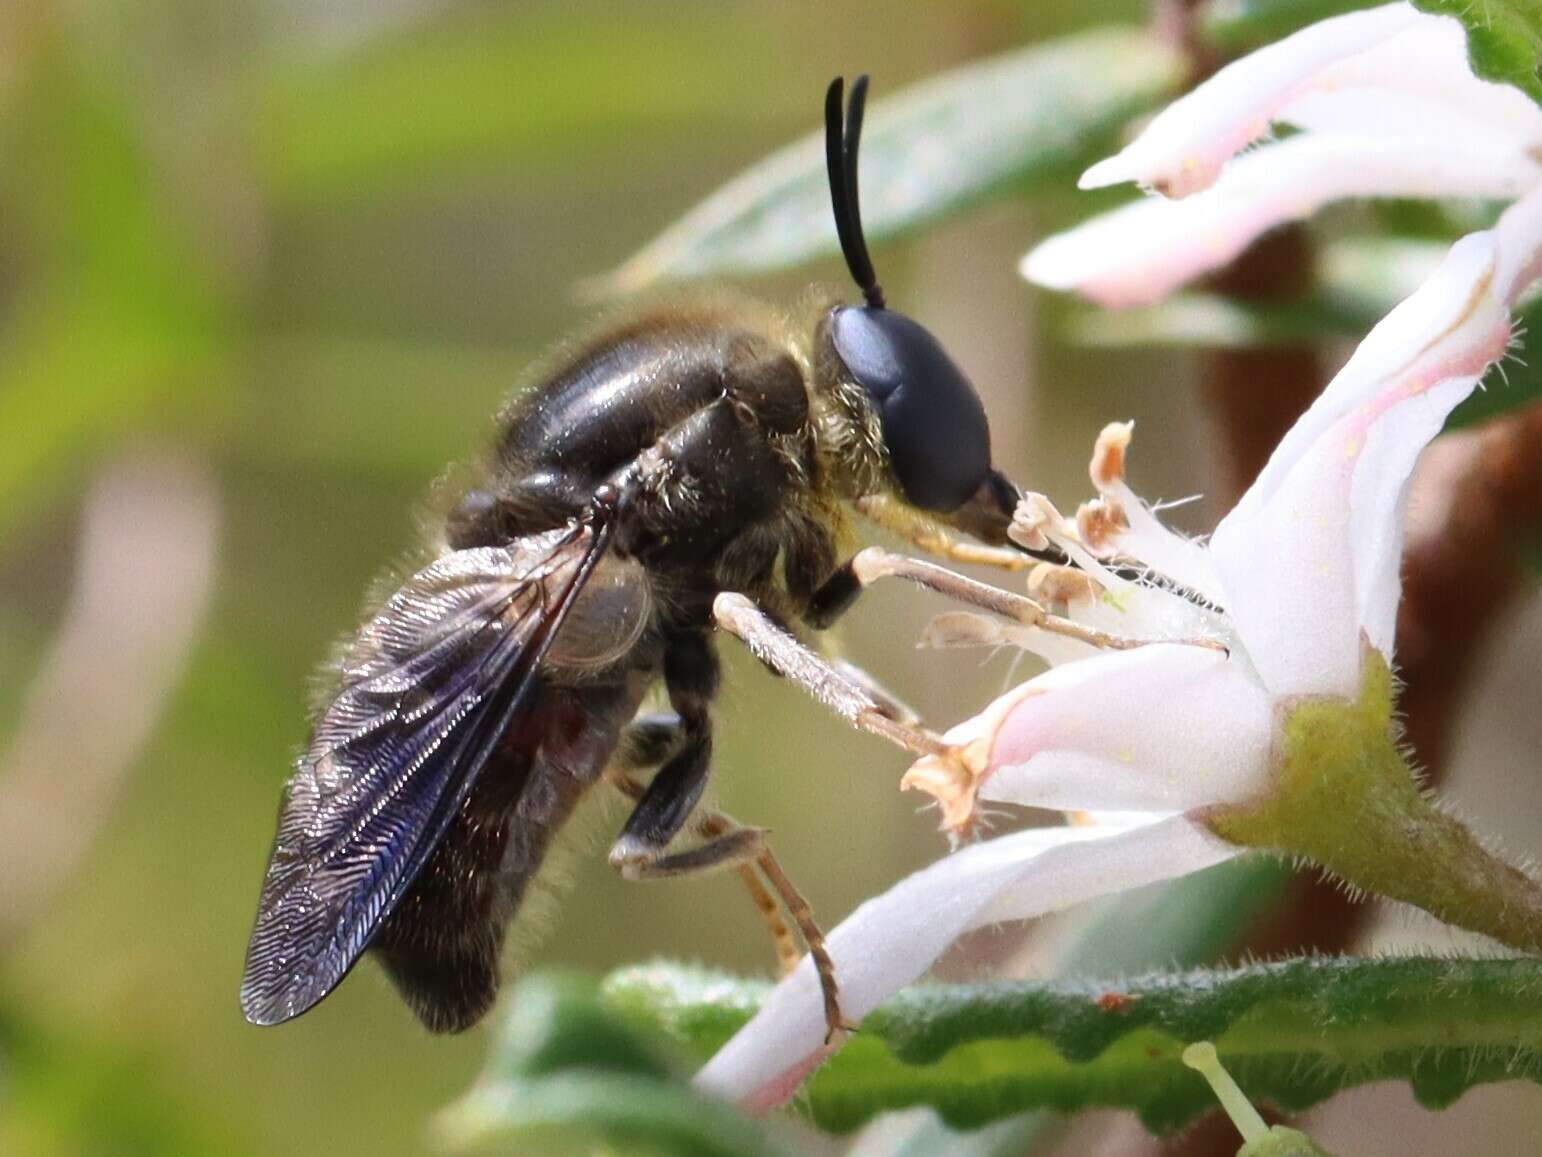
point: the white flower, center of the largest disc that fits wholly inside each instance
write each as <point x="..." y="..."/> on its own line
<point x="1387" y="106"/>
<point x="1302" y="575"/>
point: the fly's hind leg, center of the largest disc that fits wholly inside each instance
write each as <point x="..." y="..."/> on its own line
<point x="652" y="740"/>
<point x="665" y="806"/>
<point x="723" y="847"/>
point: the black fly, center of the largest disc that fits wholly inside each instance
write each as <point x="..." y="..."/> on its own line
<point x="691" y="471"/>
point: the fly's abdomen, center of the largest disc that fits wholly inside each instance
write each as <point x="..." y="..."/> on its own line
<point x="441" y="945"/>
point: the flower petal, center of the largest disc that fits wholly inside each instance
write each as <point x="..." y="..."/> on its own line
<point x="1427" y="65"/>
<point x="1143" y="251"/>
<point x="1183" y="148"/>
<point x="1309" y="556"/>
<point x="1386" y="114"/>
<point x="1158" y="728"/>
<point x="894" y="938"/>
<point x="1518" y="236"/>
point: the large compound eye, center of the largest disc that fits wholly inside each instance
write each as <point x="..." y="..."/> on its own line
<point x="933" y="423"/>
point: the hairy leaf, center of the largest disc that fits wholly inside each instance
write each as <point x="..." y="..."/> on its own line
<point x="1005" y="123"/>
<point x="1504" y="38"/>
<point x="1292" y="1033"/>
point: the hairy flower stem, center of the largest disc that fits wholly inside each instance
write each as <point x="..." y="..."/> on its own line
<point x="1346" y="799"/>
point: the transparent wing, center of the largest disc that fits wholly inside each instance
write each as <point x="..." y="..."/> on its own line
<point x="428" y="688"/>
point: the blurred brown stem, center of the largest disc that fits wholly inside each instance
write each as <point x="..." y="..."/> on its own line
<point x="142" y="586"/>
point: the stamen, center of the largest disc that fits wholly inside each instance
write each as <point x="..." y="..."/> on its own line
<point x="1108" y="454"/>
<point x="1034" y="522"/>
<point x="1065" y="585"/>
<point x="1202" y="1058"/>
<point x="1099" y="524"/>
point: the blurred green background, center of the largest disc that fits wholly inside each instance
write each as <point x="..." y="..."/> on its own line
<point x="308" y="248"/>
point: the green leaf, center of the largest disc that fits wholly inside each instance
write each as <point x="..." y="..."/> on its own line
<point x="1012" y="122"/>
<point x="1504" y="39"/>
<point x="567" y="1071"/>
<point x="1235" y="26"/>
<point x="1291" y="1033"/>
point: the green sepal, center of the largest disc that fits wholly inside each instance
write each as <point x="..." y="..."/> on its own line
<point x="1504" y="39"/>
<point x="1344" y="798"/>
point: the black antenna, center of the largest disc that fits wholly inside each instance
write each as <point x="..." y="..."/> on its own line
<point x="841" y="141"/>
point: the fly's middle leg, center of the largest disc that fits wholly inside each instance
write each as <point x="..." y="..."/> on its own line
<point x="691" y="674"/>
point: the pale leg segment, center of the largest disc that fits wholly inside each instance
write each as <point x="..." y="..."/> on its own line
<point x="934" y="538"/>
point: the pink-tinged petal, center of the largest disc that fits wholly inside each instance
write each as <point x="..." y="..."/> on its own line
<point x="1184" y="147"/>
<point x="1309" y="556"/>
<point x="1518" y="236"/>
<point x="1158" y="728"/>
<point x="1428" y="62"/>
<point x="1385" y="114"/>
<point x="1436" y="309"/>
<point x="893" y="939"/>
<point x="1181" y="843"/>
<point x="1141" y="252"/>
<point x="1378" y="499"/>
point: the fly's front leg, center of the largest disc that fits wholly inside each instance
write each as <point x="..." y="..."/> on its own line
<point x="934" y="538"/>
<point x="954" y="771"/>
<point x="884" y="699"/>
